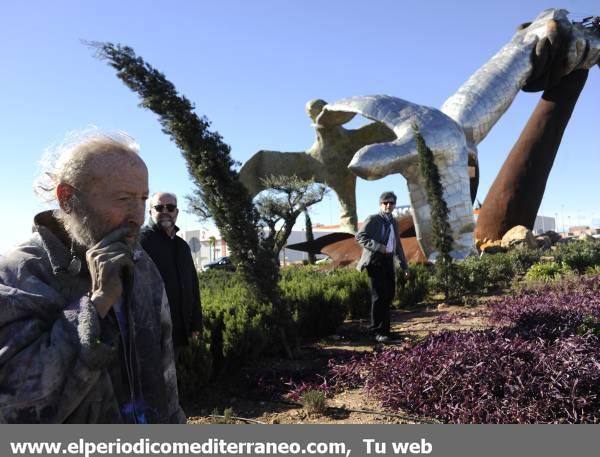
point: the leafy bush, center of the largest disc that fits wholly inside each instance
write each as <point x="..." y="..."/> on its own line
<point x="547" y="271"/>
<point x="353" y="289"/>
<point x="579" y="255"/>
<point x="595" y="270"/>
<point x="522" y="259"/>
<point x="227" y="418"/>
<point x="317" y="310"/>
<point x="450" y="285"/>
<point x="240" y="326"/>
<point x="493" y="272"/>
<point x="314" y="401"/>
<point x="413" y="290"/>
<point x="194" y="368"/>
<point x="321" y="300"/>
<point x="485" y="273"/>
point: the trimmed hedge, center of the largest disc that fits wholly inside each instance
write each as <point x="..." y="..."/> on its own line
<point x="240" y="325"/>
<point x="411" y="291"/>
<point x="320" y="301"/>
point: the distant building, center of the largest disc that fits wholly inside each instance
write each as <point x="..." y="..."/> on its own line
<point x="578" y="230"/>
<point x="543" y="224"/>
<point x="208" y="245"/>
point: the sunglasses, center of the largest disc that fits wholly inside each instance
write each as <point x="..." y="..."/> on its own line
<point x="388" y="203"/>
<point x="169" y="207"/>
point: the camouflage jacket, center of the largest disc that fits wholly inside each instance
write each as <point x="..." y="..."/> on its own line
<point x="61" y="363"/>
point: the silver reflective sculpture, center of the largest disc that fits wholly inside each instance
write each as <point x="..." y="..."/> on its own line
<point x="454" y="131"/>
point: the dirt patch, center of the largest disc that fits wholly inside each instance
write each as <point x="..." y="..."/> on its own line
<point x="258" y="394"/>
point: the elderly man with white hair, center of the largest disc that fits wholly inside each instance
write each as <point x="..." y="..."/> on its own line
<point x="85" y="324"/>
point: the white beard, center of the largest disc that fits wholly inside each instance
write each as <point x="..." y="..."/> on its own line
<point x="166" y="223"/>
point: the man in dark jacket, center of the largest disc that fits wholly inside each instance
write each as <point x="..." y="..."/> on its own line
<point x="381" y="242"/>
<point x="173" y="257"/>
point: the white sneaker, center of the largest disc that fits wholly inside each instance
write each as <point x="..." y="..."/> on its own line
<point x="382" y="338"/>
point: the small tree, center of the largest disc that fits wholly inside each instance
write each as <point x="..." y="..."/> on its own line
<point x="212" y="243"/>
<point x="212" y="170"/>
<point x="312" y="258"/>
<point x="280" y="206"/>
<point x="442" y="238"/>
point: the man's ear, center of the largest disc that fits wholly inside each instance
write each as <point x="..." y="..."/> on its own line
<point x="64" y="194"/>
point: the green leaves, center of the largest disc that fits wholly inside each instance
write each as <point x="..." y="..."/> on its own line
<point x="442" y="240"/>
<point x="209" y="164"/>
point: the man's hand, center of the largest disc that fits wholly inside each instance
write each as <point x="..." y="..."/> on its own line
<point x="196" y="335"/>
<point x="108" y="262"/>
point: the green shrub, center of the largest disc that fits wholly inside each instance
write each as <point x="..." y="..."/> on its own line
<point x="216" y="279"/>
<point x="227" y="418"/>
<point x="485" y="273"/>
<point x="452" y="286"/>
<point x="522" y="259"/>
<point x="240" y="326"/>
<point x="314" y="402"/>
<point x="194" y="368"/>
<point x="409" y="292"/>
<point x="578" y="255"/>
<point x="547" y="271"/>
<point x="595" y="270"/>
<point x="353" y="289"/>
<point x="317" y="307"/>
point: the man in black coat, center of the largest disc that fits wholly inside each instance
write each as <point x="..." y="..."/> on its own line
<point x="380" y="241"/>
<point x="173" y="257"/>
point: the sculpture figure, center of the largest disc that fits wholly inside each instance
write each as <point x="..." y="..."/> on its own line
<point x="325" y="162"/>
<point x="464" y="120"/>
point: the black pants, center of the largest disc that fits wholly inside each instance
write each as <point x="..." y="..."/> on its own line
<point x="382" y="278"/>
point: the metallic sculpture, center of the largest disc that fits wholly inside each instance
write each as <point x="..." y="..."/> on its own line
<point x="464" y="120"/>
<point x="325" y="161"/>
<point x="444" y="137"/>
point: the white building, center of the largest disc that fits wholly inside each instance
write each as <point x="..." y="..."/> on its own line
<point x="206" y="245"/>
<point x="543" y="224"/>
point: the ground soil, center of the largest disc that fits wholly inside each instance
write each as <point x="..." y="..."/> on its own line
<point x="258" y="395"/>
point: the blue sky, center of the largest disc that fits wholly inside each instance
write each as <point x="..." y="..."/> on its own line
<point x="250" y="67"/>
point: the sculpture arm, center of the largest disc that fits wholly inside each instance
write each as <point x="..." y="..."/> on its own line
<point x="375" y="132"/>
<point x="272" y="163"/>
<point x="487" y="94"/>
